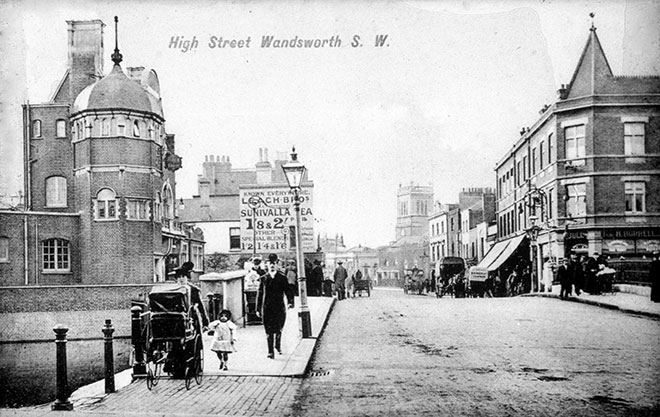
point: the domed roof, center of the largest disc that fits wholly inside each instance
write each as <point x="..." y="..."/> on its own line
<point x="115" y="91"/>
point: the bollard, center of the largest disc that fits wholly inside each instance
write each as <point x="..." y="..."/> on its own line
<point x="109" y="357"/>
<point x="139" y="368"/>
<point x="62" y="400"/>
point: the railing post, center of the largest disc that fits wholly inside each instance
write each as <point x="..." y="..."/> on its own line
<point x="139" y="368"/>
<point x="62" y="400"/>
<point x="109" y="357"/>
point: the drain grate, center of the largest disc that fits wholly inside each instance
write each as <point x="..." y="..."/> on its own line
<point x="319" y="373"/>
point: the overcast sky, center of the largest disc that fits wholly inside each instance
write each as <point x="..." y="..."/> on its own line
<point x="439" y="103"/>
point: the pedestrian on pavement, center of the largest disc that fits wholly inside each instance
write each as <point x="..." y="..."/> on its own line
<point x="316" y="279"/>
<point x="223" y="337"/>
<point x="270" y="304"/>
<point x="591" y="284"/>
<point x="547" y="274"/>
<point x="512" y="283"/>
<point x="340" y="279"/>
<point x="576" y="270"/>
<point x="328" y="282"/>
<point x="564" y="278"/>
<point x="292" y="276"/>
<point x="654" y="275"/>
<point x="252" y="277"/>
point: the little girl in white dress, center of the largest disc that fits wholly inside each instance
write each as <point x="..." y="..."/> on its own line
<point x="223" y="337"/>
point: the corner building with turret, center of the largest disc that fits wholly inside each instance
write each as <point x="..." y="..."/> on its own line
<point x="99" y="179"/>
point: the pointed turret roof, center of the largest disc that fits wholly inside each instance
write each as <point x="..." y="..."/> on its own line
<point x="593" y="75"/>
<point x="592" y="71"/>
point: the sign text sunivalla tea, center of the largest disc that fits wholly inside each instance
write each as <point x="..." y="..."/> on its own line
<point x="191" y="44"/>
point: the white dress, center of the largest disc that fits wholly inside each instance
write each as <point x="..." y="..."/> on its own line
<point x="222" y="336"/>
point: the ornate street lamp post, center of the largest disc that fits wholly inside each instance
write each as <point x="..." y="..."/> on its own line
<point x="533" y="234"/>
<point x="534" y="197"/>
<point x="294" y="171"/>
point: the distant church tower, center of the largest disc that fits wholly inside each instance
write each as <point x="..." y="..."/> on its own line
<point x="414" y="203"/>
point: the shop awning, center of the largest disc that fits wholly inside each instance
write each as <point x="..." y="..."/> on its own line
<point x="499" y="253"/>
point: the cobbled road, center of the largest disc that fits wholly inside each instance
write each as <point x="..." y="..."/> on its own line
<point x="393" y="354"/>
<point x="410" y="355"/>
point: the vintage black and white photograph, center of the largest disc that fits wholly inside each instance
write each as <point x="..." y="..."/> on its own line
<point x="330" y="208"/>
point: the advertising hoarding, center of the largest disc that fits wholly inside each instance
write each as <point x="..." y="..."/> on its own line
<point x="267" y="215"/>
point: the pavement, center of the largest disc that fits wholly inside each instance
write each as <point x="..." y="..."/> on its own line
<point x="622" y="301"/>
<point x="249" y="360"/>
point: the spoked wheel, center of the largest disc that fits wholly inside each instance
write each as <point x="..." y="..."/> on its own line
<point x="189" y="373"/>
<point x="199" y="362"/>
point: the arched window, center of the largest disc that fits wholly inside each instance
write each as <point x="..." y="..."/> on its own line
<point x="4" y="249"/>
<point x="56" y="192"/>
<point x="55" y="255"/>
<point x="152" y="131"/>
<point x="120" y="128"/>
<point x="106" y="204"/>
<point x="158" y="209"/>
<point x="88" y="128"/>
<point x="136" y="128"/>
<point x="168" y="203"/>
<point x="36" y="129"/>
<point x="105" y="127"/>
<point x="60" y="128"/>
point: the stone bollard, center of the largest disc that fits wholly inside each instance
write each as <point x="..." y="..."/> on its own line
<point x="109" y="357"/>
<point x="139" y="368"/>
<point x="62" y="400"/>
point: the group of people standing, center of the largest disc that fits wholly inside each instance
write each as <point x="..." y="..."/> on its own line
<point x="587" y="274"/>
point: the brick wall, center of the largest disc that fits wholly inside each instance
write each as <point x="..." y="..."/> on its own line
<point x="70" y="298"/>
<point x="39" y="228"/>
<point x="50" y="155"/>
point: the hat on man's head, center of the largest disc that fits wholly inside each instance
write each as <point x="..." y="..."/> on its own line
<point x="340" y="262"/>
<point x="256" y="260"/>
<point x="272" y="258"/>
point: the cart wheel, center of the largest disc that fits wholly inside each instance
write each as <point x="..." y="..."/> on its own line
<point x="189" y="376"/>
<point x="199" y="363"/>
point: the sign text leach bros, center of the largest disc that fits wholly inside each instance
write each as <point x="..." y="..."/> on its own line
<point x="272" y="221"/>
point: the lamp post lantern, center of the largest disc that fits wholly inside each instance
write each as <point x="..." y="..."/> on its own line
<point x="294" y="171"/>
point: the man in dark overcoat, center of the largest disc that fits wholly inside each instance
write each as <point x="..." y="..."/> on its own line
<point x="270" y="304"/>
<point x="340" y="280"/>
<point x="564" y="278"/>
<point x="316" y="279"/>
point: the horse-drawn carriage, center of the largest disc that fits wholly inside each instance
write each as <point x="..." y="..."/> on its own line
<point x="414" y="282"/>
<point x="451" y="277"/>
<point x="361" y="285"/>
<point x="173" y="342"/>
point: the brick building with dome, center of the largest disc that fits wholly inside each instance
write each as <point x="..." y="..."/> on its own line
<point x="99" y="180"/>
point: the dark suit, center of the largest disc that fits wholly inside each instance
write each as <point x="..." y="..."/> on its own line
<point x="270" y="302"/>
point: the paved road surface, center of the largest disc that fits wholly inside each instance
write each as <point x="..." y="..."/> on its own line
<point x="396" y="354"/>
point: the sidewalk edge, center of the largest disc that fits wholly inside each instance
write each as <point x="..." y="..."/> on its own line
<point x="597" y="304"/>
